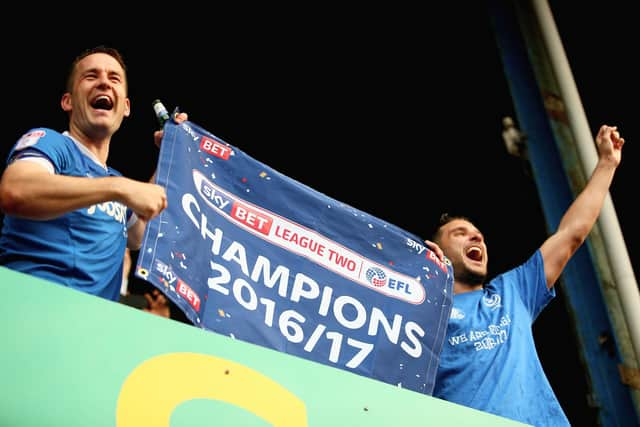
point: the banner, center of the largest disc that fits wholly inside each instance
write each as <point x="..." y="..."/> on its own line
<point x="250" y="253"/>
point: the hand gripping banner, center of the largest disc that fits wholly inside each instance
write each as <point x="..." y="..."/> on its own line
<point x="252" y="254"/>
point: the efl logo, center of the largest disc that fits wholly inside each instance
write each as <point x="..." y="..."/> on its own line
<point x="395" y="285"/>
<point x="211" y="146"/>
<point x="376" y="276"/>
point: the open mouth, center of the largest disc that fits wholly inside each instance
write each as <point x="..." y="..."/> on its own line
<point x="474" y="253"/>
<point x="102" y="102"/>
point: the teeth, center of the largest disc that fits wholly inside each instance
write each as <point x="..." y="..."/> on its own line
<point x="102" y="102"/>
<point x="474" y="253"/>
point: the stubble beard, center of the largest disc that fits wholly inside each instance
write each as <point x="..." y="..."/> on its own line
<point x="470" y="277"/>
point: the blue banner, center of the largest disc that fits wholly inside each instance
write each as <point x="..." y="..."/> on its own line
<point x="250" y="253"/>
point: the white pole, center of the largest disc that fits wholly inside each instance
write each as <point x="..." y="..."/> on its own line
<point x="618" y="257"/>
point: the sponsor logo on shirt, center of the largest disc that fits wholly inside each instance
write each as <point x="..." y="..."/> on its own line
<point x="116" y="210"/>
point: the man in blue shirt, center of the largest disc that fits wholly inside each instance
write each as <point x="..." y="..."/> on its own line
<point x="489" y="360"/>
<point x="67" y="215"/>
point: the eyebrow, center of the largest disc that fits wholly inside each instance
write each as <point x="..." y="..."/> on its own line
<point x="99" y="69"/>
<point x="465" y="228"/>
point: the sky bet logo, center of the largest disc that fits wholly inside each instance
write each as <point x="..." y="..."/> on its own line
<point x="215" y="148"/>
<point x="213" y="196"/>
<point x="313" y="246"/>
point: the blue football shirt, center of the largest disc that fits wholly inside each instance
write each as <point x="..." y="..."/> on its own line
<point x="82" y="249"/>
<point x="489" y="359"/>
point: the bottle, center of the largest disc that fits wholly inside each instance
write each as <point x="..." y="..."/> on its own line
<point x="161" y="112"/>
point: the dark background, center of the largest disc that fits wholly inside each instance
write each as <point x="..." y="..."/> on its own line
<point x="396" y="112"/>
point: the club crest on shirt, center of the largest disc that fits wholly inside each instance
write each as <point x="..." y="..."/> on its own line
<point x="29" y="139"/>
<point x="492" y="301"/>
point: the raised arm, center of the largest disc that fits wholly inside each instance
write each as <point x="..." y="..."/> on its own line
<point x="578" y="220"/>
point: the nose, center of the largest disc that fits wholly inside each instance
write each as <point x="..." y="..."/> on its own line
<point x="476" y="236"/>
<point x="103" y="79"/>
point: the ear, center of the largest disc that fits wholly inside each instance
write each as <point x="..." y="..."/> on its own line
<point x="65" y="102"/>
<point x="127" y="107"/>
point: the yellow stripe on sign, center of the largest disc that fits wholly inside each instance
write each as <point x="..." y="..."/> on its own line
<point x="156" y="387"/>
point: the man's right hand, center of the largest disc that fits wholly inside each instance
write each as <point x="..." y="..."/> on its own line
<point x="178" y="118"/>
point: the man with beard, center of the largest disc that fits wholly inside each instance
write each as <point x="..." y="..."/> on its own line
<point x="489" y="360"/>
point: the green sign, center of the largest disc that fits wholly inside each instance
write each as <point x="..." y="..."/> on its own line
<point x="71" y="359"/>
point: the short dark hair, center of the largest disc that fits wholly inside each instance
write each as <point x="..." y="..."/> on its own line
<point x="446" y="218"/>
<point x="98" y="49"/>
